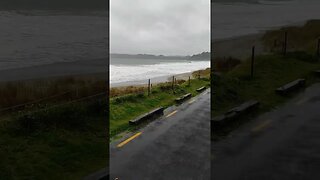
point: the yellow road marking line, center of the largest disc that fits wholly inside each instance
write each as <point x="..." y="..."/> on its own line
<point x="193" y="100"/>
<point x="261" y="126"/>
<point x="171" y="113"/>
<point x="128" y="140"/>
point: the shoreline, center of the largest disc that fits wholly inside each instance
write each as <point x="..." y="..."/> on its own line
<point x="156" y="80"/>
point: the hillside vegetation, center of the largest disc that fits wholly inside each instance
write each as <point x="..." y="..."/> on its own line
<point x="300" y="38"/>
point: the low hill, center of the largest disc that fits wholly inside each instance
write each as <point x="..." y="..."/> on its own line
<point x="54" y="5"/>
<point x="201" y="56"/>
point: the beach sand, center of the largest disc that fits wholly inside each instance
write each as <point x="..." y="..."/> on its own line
<point x="183" y="76"/>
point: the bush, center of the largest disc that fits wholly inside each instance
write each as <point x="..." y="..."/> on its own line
<point x="165" y="86"/>
<point x="119" y="91"/>
<point x="128" y="98"/>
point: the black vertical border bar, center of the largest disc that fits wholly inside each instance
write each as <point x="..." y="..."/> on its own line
<point x="211" y="79"/>
<point x="108" y="88"/>
<point x="211" y="52"/>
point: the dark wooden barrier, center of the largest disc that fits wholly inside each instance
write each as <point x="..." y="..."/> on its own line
<point x="183" y="98"/>
<point x="147" y="116"/>
<point x="234" y="113"/>
<point x="294" y="85"/>
<point x="201" y="89"/>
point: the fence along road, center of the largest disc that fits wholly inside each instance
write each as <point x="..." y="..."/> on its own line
<point x="176" y="146"/>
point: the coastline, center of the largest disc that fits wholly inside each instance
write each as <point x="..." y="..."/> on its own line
<point x="156" y="80"/>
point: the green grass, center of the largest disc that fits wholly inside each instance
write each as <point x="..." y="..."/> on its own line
<point x="124" y="108"/>
<point x="63" y="142"/>
<point x="271" y="71"/>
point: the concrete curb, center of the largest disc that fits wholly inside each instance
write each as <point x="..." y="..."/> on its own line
<point x="294" y="85"/>
<point x="234" y="113"/>
<point x="147" y="116"/>
<point x="183" y="98"/>
<point x="201" y="89"/>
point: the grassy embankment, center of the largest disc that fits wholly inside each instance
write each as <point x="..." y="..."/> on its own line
<point x="53" y="138"/>
<point x="124" y="107"/>
<point x="235" y="85"/>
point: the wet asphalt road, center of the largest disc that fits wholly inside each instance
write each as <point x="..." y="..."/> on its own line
<point x="176" y="146"/>
<point x="279" y="145"/>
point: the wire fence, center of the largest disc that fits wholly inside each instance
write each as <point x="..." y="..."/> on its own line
<point x="59" y="99"/>
<point x="170" y="85"/>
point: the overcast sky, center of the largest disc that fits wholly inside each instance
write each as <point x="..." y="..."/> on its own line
<point x="168" y="27"/>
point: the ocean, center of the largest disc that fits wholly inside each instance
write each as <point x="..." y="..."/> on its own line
<point x="123" y="71"/>
<point x="32" y="38"/>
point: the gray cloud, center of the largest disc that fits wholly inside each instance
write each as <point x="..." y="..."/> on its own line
<point x="168" y="27"/>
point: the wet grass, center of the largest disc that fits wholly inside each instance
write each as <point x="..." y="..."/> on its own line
<point x="56" y="138"/>
<point x="64" y="142"/>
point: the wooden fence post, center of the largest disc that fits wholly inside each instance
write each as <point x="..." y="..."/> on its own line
<point x="173" y="84"/>
<point x="318" y="48"/>
<point x="252" y="61"/>
<point x="149" y="88"/>
<point x="285" y="43"/>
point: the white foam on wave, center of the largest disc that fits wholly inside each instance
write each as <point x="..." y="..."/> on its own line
<point x="126" y="73"/>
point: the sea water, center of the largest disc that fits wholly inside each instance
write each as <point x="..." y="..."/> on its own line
<point x="133" y="70"/>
